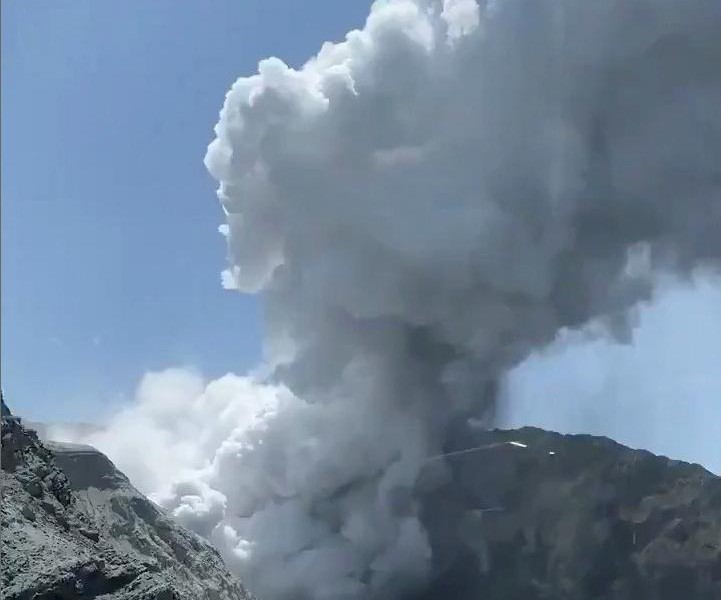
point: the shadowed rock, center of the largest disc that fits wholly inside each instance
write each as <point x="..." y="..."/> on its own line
<point x="539" y="515"/>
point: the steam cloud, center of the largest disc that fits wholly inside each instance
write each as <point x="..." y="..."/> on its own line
<point x="422" y="206"/>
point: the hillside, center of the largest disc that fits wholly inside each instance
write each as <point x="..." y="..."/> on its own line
<point x="74" y="527"/>
<point x="538" y="515"/>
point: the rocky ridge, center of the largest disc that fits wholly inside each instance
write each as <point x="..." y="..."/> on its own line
<point x="535" y="515"/>
<point x="74" y="527"/>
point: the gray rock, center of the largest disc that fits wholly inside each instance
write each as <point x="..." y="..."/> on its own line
<point x="571" y="517"/>
<point x="28" y="513"/>
<point x="91" y="534"/>
<point x="33" y="487"/>
<point x="74" y="527"/>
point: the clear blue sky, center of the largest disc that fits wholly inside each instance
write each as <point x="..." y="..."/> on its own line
<point x="110" y="250"/>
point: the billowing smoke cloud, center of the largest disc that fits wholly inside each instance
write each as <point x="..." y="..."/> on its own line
<point x="422" y="206"/>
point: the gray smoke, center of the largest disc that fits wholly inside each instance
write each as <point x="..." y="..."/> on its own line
<point x="422" y="206"/>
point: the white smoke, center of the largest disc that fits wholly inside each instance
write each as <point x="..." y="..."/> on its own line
<point x="422" y="206"/>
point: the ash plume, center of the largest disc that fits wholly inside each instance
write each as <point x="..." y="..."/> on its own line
<point x="421" y="206"/>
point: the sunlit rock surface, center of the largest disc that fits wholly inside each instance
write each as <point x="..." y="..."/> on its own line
<point x="74" y="527"/>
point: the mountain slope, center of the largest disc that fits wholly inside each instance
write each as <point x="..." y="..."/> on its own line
<point x="536" y="515"/>
<point x="74" y="527"/>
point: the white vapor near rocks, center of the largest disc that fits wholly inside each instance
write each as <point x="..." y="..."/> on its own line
<point x="421" y="207"/>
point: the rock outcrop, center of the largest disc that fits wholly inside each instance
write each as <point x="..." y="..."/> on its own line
<point x="537" y="515"/>
<point x="74" y="527"/>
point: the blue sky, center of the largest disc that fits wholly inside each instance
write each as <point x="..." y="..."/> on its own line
<point x="110" y="251"/>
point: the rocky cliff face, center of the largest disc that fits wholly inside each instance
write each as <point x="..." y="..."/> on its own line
<point x="74" y="527"/>
<point x="536" y="515"/>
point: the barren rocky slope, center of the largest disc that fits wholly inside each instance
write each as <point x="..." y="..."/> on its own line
<point x="74" y="527"/>
<point x="539" y="515"/>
